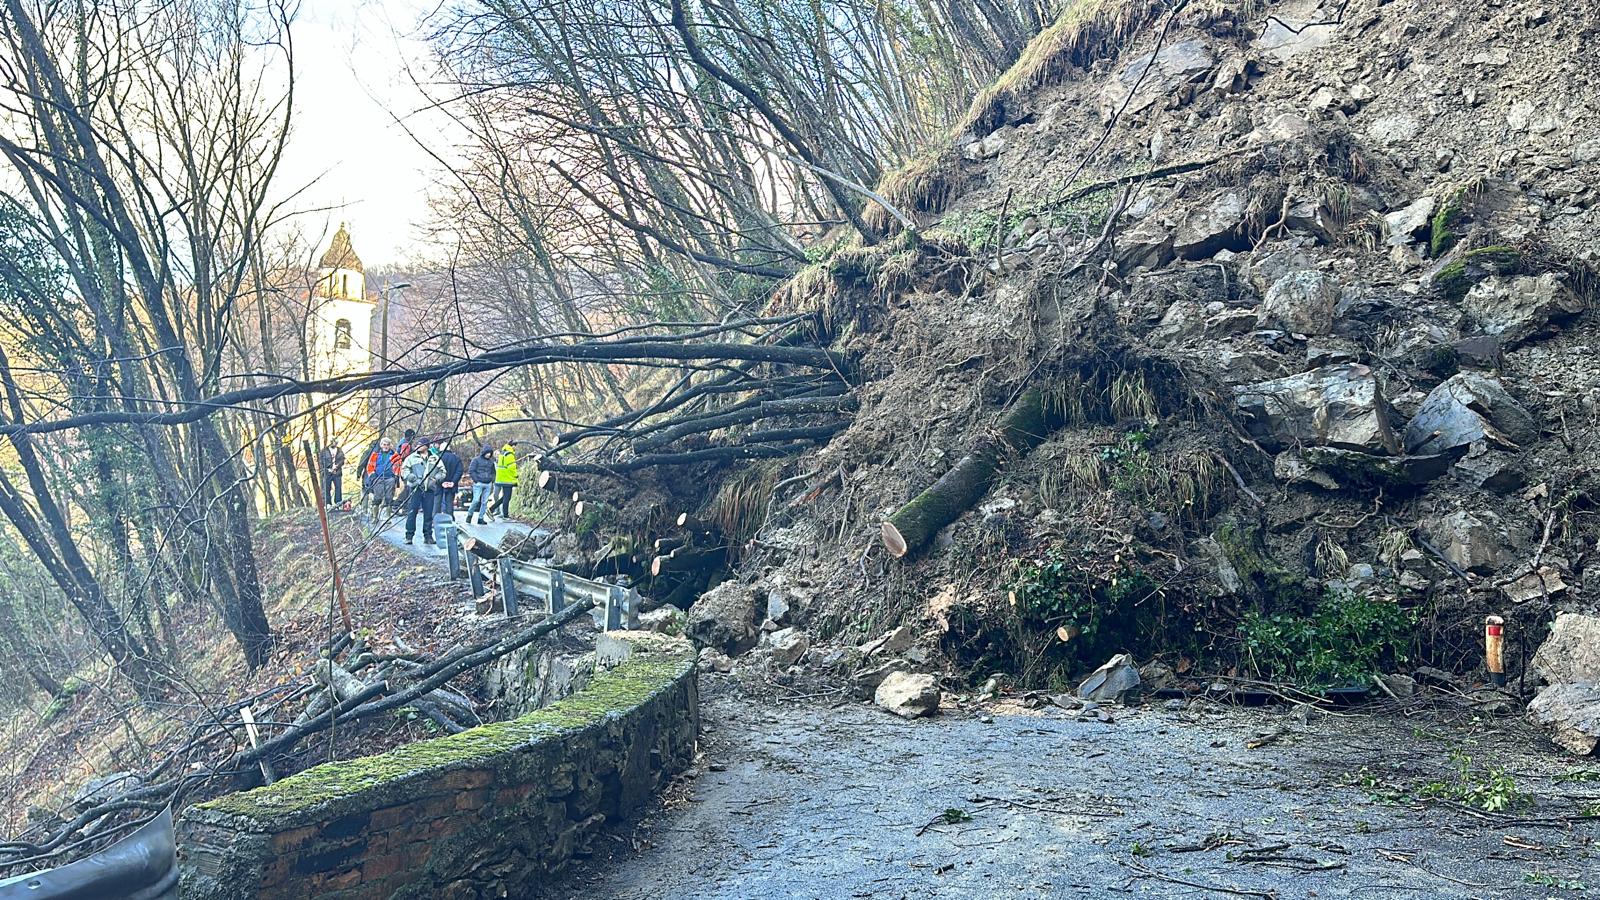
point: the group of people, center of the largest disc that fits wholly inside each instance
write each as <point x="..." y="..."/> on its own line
<point x="424" y="476"/>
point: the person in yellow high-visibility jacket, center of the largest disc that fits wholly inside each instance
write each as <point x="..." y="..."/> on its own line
<point x="505" y="479"/>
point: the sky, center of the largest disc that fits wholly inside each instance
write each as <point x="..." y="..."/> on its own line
<point x="347" y="154"/>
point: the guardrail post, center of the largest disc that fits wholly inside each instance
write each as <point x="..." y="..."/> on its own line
<point x="452" y="549"/>
<point x="632" y="620"/>
<point x="616" y="598"/>
<point x="475" y="578"/>
<point x="558" y="591"/>
<point x="508" y="587"/>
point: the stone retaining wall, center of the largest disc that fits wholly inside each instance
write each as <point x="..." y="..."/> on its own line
<point x="483" y="813"/>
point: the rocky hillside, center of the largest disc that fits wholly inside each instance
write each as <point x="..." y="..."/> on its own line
<point x="1300" y="293"/>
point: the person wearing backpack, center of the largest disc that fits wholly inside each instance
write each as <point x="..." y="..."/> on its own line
<point x="505" y="479"/>
<point x="481" y="471"/>
<point x="423" y="474"/>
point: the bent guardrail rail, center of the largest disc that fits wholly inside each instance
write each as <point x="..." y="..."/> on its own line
<point x="141" y="866"/>
<point x="539" y="587"/>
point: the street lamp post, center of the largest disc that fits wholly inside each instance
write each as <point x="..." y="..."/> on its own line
<point x="383" y="353"/>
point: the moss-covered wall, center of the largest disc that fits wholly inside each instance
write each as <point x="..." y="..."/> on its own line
<point x="480" y="813"/>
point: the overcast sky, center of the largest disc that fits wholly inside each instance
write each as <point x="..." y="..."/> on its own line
<point x="352" y="60"/>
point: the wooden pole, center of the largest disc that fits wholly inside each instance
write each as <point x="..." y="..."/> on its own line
<point x="327" y="538"/>
<point x="1494" y="649"/>
<point x="250" y="731"/>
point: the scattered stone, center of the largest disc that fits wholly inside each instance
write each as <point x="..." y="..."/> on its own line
<point x="890" y="643"/>
<point x="1394" y="129"/>
<point x="666" y="620"/>
<point x="787" y="646"/>
<point x="1285" y="129"/>
<point x="1157" y="676"/>
<point x="866" y="681"/>
<point x="1465" y="408"/>
<point x="1117" y="681"/>
<point x="725" y="618"/>
<point x="1471" y="543"/>
<point x="1153" y="75"/>
<point x="1147" y="245"/>
<point x="1301" y="302"/>
<point x="1432" y="676"/>
<point x="1516" y="308"/>
<point x="99" y="790"/>
<point x="1173" y="705"/>
<point x="1336" y="406"/>
<point x="1545" y="582"/>
<point x="1333" y="467"/>
<point x="715" y="661"/>
<point x="1571" y="652"/>
<point x="1404" y="225"/>
<point x="1570" y="713"/>
<point x="987" y="147"/>
<point x="778" y="609"/>
<point x="908" y="696"/>
<point x="1401" y="687"/>
<point x="1211" y="226"/>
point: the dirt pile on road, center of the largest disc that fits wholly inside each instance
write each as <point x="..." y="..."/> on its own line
<point x="1303" y="291"/>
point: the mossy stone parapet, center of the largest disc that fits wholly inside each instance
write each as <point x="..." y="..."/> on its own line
<point x="490" y="810"/>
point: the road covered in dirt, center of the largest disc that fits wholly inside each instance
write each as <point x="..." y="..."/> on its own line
<point x="804" y="799"/>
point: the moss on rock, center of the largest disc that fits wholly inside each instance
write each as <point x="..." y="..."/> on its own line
<point x="1456" y="278"/>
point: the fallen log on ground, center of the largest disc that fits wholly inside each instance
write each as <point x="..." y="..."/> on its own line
<point x="1024" y="427"/>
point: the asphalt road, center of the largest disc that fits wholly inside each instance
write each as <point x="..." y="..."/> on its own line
<point x="795" y="799"/>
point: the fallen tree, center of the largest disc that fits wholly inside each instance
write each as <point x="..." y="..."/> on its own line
<point x="1023" y="427"/>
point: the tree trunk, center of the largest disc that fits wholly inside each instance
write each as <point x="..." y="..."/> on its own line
<point x="1029" y="421"/>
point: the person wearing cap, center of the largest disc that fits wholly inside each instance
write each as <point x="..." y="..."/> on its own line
<point x="505" y="479"/>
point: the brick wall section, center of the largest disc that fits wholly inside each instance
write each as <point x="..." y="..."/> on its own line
<point x="487" y="812"/>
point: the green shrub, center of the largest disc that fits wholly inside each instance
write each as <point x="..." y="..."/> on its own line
<point x="1345" y="641"/>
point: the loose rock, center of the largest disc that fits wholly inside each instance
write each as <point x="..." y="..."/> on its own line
<point x="1571" y="652"/>
<point x="1301" y="302"/>
<point x="1570" y="713"/>
<point x="1465" y="408"/>
<point x="1117" y="681"/>
<point x="725" y="618"/>
<point x="1337" y="406"/>
<point x="908" y="696"/>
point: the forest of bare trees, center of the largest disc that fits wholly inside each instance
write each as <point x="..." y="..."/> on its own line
<point x="637" y="176"/>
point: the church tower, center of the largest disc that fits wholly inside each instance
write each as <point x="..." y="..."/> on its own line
<point x="338" y="337"/>
<point x="341" y="314"/>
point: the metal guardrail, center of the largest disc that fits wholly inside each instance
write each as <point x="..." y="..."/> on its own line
<point x="540" y="587"/>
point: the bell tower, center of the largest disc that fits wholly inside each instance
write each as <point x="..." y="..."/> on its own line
<point x="341" y="319"/>
<point x="338" y="335"/>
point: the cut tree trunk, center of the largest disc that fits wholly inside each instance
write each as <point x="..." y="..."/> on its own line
<point x="1029" y="421"/>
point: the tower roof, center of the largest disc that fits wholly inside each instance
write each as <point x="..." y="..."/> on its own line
<point x="340" y="254"/>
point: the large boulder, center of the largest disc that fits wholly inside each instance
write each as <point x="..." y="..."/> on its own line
<point x="1117" y="681"/>
<point x="1336" y="406"/>
<point x="1570" y="713"/>
<point x="1153" y="75"/>
<point x="1211" y="226"/>
<point x="908" y="696"/>
<point x="1301" y="302"/>
<point x="726" y="618"/>
<point x="1571" y="652"/>
<point x="786" y="646"/>
<point x="1516" y="308"/>
<point x="1469" y="407"/>
<point x="1474" y="542"/>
